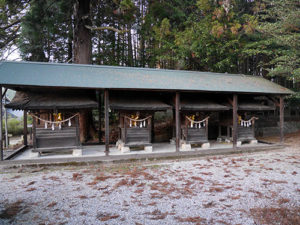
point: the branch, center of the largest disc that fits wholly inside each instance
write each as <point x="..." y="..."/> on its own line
<point x="106" y="28"/>
<point x="10" y="25"/>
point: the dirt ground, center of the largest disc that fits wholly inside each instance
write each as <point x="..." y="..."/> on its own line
<point x="249" y="188"/>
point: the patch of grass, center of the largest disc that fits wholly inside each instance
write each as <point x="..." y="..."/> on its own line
<point x="275" y="216"/>
<point x="11" y="210"/>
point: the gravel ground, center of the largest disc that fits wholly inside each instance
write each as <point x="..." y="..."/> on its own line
<point x="212" y="190"/>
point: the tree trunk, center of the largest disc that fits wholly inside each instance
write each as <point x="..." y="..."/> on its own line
<point x="82" y="54"/>
<point x="130" y="55"/>
<point x="82" y="36"/>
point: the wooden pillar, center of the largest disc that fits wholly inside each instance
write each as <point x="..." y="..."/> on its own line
<point x="177" y="120"/>
<point x="281" y="111"/>
<point x="174" y="124"/>
<point x="5" y="122"/>
<point x="1" y="128"/>
<point x="99" y="117"/>
<point x="106" y="117"/>
<point x="34" y="133"/>
<point x="152" y="128"/>
<point x="235" y="120"/>
<point x="25" y="128"/>
<point x="77" y="131"/>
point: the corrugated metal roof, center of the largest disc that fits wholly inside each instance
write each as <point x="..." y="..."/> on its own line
<point x="112" y="77"/>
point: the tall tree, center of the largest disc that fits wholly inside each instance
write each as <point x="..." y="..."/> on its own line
<point x="280" y="24"/>
<point x="46" y="33"/>
<point x="11" y="14"/>
<point x="82" y="35"/>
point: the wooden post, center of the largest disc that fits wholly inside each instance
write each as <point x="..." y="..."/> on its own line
<point x="25" y="128"/>
<point x="106" y="117"/>
<point x="177" y="120"/>
<point x="152" y="128"/>
<point x="174" y="124"/>
<point x="34" y="133"/>
<point x="186" y="129"/>
<point x="5" y="122"/>
<point x="281" y="110"/>
<point x="235" y="120"/>
<point x="77" y="131"/>
<point x="206" y="128"/>
<point x="99" y="117"/>
<point x="253" y="127"/>
<point x="1" y="128"/>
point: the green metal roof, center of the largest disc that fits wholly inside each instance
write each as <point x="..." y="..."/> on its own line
<point x="113" y="77"/>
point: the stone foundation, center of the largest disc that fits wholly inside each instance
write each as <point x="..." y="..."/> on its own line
<point x="148" y="148"/>
<point x="77" y="152"/>
<point x="186" y="147"/>
<point x="253" y="142"/>
<point x="205" y="145"/>
<point x="34" y="154"/>
<point x="125" y="149"/>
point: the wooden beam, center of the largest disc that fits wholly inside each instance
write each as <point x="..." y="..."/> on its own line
<point x="281" y="115"/>
<point x="1" y="128"/>
<point x="106" y="117"/>
<point x="25" y="132"/>
<point x="230" y="101"/>
<point x="275" y="101"/>
<point x="177" y="120"/>
<point x="234" y="120"/>
<point x="99" y="116"/>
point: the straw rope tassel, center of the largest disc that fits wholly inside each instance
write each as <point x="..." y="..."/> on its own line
<point x="69" y="123"/>
<point x="46" y="125"/>
<point x="52" y="126"/>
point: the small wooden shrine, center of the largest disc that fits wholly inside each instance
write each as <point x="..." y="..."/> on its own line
<point x="136" y="124"/>
<point x="55" y="117"/>
<point x="195" y="115"/>
<point x="246" y="113"/>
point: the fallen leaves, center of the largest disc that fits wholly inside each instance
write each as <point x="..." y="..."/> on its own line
<point x="106" y="216"/>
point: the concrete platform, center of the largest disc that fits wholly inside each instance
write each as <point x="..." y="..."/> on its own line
<point x="96" y="154"/>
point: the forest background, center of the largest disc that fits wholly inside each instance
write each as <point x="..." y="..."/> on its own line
<point x="260" y="38"/>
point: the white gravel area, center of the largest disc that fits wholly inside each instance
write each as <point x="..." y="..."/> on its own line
<point x="211" y="190"/>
